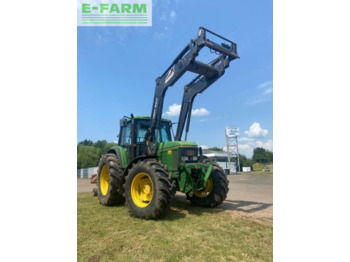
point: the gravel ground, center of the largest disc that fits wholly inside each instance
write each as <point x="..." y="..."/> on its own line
<point x="249" y="195"/>
<point x="84" y="185"/>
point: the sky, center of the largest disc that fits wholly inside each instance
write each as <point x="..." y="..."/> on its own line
<point x="117" y="68"/>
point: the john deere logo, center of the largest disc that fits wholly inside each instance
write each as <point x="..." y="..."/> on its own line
<point x="115" y="13"/>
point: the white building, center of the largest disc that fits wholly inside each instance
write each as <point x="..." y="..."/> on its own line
<point x="221" y="158"/>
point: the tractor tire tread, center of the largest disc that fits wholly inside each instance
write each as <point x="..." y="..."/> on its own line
<point x="219" y="190"/>
<point x="160" y="202"/>
<point x="114" y="194"/>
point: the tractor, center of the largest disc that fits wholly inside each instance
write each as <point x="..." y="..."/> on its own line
<point x="150" y="165"/>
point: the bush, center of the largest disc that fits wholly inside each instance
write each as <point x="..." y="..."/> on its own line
<point x="89" y="153"/>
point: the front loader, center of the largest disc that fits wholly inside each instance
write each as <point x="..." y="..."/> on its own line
<point x="147" y="167"/>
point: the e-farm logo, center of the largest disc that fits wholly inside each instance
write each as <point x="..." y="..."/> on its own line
<point x="114" y="13"/>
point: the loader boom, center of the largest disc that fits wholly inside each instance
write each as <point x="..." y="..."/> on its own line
<point x="207" y="75"/>
<point x="196" y="86"/>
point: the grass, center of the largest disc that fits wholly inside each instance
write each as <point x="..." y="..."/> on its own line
<point x="259" y="168"/>
<point x="258" y="173"/>
<point x="186" y="233"/>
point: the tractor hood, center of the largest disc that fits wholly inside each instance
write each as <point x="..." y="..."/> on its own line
<point x="175" y="144"/>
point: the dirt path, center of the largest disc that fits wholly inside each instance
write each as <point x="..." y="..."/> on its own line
<point x="84" y="185"/>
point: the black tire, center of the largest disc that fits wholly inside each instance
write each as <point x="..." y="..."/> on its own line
<point x="147" y="189"/>
<point x="110" y="193"/>
<point x="218" y="191"/>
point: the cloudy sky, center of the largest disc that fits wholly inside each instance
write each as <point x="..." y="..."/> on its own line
<point x="117" y="68"/>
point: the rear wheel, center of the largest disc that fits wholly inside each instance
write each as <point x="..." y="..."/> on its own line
<point x="147" y="189"/>
<point x="110" y="181"/>
<point x="215" y="192"/>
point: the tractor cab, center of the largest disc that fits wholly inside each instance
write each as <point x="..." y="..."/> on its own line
<point x="133" y="131"/>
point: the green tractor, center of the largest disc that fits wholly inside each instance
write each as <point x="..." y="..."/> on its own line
<point x="147" y="167"/>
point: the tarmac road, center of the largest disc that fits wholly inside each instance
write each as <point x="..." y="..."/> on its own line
<point x="249" y="195"/>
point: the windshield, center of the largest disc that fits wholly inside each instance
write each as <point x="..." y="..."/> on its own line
<point x="164" y="134"/>
<point x="141" y="126"/>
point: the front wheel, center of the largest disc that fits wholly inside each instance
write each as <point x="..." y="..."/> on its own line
<point x="215" y="192"/>
<point x="147" y="189"/>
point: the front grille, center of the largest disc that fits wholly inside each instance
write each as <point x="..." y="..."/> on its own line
<point x="189" y="155"/>
<point x="189" y="151"/>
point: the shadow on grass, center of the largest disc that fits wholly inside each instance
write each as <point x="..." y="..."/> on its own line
<point x="181" y="207"/>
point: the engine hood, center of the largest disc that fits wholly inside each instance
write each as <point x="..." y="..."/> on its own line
<point x="172" y="144"/>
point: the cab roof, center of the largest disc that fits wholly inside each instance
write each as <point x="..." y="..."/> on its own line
<point x="148" y="118"/>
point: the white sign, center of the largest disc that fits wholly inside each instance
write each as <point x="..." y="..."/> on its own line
<point x="246" y="169"/>
<point x="232" y="131"/>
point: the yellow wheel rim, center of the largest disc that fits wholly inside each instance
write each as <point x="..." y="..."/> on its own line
<point x="206" y="191"/>
<point x="142" y="190"/>
<point x="104" y="180"/>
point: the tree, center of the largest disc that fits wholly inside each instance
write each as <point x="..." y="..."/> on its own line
<point x="86" y="143"/>
<point x="245" y="162"/>
<point x="215" y="148"/>
<point x="88" y="156"/>
<point x="100" y="144"/>
<point x="89" y="152"/>
<point x="269" y="157"/>
<point x="262" y="155"/>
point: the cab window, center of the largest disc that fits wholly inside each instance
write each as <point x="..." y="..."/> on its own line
<point x="164" y="134"/>
<point x="125" y="138"/>
<point x="142" y="127"/>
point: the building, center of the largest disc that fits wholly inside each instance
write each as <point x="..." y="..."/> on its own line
<point x="221" y="158"/>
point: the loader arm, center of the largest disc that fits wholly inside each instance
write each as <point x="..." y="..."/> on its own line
<point x="196" y="86"/>
<point x="185" y="61"/>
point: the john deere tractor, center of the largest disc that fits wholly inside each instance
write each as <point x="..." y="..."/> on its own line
<point x="148" y="167"/>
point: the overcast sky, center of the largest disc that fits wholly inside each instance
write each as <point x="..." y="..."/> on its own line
<point x="117" y="68"/>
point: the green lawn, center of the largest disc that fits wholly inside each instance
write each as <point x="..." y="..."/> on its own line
<point x="186" y="234"/>
<point x="259" y="167"/>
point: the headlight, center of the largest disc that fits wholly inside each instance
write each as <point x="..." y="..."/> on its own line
<point x="189" y="158"/>
<point x="189" y="152"/>
<point x="189" y="155"/>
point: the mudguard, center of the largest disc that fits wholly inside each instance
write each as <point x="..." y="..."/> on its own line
<point x="121" y="154"/>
